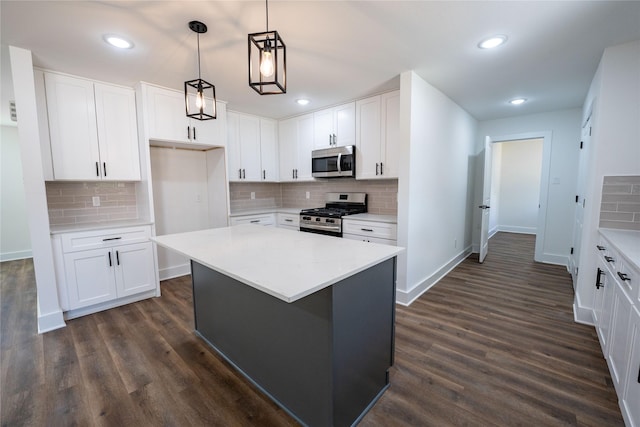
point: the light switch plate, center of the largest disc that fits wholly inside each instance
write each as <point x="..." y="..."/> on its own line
<point x="96" y="200"/>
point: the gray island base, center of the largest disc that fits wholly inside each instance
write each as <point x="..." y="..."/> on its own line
<point x="324" y="358"/>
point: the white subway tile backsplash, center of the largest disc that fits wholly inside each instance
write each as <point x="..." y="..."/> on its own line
<point x="620" y="207"/>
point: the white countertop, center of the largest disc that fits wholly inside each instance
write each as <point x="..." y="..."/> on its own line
<point x="103" y="225"/>
<point x="627" y="242"/>
<point x="286" y="264"/>
<point x="266" y="211"/>
<point x="392" y="219"/>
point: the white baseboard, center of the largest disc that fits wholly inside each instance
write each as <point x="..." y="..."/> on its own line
<point x="407" y="297"/>
<point x="517" y="229"/>
<point x="79" y="312"/>
<point x="493" y="231"/>
<point x="562" y="260"/>
<point x="50" y="321"/>
<point x="582" y="315"/>
<point x="175" y="271"/>
<point x="12" y="256"/>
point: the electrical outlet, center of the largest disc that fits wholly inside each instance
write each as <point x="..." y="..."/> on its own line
<point x="96" y="200"/>
<point x="308" y="195"/>
<point x="253" y="195"/>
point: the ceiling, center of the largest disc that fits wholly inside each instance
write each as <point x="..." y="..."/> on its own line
<point x="336" y="50"/>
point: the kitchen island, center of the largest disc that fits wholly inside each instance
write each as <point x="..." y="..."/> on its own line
<point x="309" y="319"/>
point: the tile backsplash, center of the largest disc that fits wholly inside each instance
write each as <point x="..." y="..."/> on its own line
<point x="382" y="194"/>
<point x="620" y="206"/>
<point x="72" y="202"/>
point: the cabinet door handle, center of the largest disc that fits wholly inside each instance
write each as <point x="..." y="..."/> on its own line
<point x="110" y="263"/>
<point x="104" y="167"/>
<point x="194" y="133"/>
<point x="600" y="248"/>
<point x="111" y="238"/>
<point x="188" y="132"/>
<point x="381" y="173"/>
<point x="239" y="173"/>
<point x="117" y="258"/>
<point x="97" y="169"/>
<point x="367" y="229"/>
<point x="330" y="140"/>
<point x="598" y="276"/>
<point x="624" y="277"/>
<point x="293" y="173"/>
<point x="264" y="174"/>
<point x="608" y="259"/>
<point x="243" y="174"/>
<point x="376" y="169"/>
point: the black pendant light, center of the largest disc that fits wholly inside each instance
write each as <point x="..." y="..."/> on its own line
<point x="267" y="61"/>
<point x="199" y="95"/>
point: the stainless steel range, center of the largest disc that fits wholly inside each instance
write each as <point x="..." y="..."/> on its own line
<point x="328" y="220"/>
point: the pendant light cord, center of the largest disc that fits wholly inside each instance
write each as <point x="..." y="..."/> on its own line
<point x="199" y="77"/>
<point x="266" y="2"/>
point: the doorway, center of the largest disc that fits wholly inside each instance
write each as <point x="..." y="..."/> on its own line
<point x="521" y="175"/>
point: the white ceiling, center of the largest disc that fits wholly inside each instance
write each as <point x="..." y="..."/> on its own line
<point x="336" y="50"/>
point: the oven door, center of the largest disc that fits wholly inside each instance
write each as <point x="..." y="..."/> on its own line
<point x="333" y="162"/>
<point x="321" y="225"/>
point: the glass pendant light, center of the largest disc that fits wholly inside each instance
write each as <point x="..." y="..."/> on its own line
<point x="199" y="95"/>
<point x="267" y="61"/>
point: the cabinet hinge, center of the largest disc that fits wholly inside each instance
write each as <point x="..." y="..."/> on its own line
<point x="571" y="251"/>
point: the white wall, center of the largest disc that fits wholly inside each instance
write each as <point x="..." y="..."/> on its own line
<point x="564" y="127"/>
<point x="615" y="96"/>
<point x="519" y="182"/>
<point x="181" y="200"/>
<point x="15" y="241"/>
<point x="435" y="188"/>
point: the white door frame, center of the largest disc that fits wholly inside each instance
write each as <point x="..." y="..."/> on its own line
<point x="544" y="182"/>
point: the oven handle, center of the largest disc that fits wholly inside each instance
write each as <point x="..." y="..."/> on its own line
<point x="339" y="162"/>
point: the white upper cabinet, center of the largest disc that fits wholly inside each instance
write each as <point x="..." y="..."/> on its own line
<point x="377" y="135"/>
<point x="93" y="130"/>
<point x="252" y="148"/>
<point x="169" y="124"/>
<point x="269" y="150"/>
<point x="296" y="144"/>
<point x="335" y="126"/>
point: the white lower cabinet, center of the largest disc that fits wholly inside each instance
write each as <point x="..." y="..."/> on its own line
<point x="616" y="316"/>
<point x="104" y="268"/>
<point x="631" y="398"/>
<point x="289" y="221"/>
<point x="370" y="231"/>
<point x="258" y="219"/>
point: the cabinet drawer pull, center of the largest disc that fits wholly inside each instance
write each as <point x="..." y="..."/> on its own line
<point x="367" y="229"/>
<point x="624" y="277"/>
<point x="254" y="221"/>
<point x="600" y="248"/>
<point x="598" y="276"/>
<point x="288" y="220"/>
<point x="111" y="238"/>
<point x="608" y="258"/>
<point x="110" y="263"/>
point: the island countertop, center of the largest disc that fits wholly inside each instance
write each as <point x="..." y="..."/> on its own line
<point x="286" y="264"/>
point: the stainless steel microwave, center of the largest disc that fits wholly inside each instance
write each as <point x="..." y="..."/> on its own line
<point x="334" y="162"/>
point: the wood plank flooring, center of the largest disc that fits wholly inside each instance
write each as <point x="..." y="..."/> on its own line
<point x="490" y="344"/>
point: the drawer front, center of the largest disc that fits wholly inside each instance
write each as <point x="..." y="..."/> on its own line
<point x="288" y="220"/>
<point x="96" y="239"/>
<point x="369" y="239"/>
<point x="268" y="219"/>
<point x="630" y="277"/>
<point x="382" y="230"/>
<point x="607" y="252"/>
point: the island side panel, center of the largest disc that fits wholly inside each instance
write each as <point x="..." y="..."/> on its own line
<point x="363" y="336"/>
<point x="285" y="348"/>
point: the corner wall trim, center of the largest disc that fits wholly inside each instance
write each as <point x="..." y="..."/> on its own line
<point x="406" y="298"/>
<point x="50" y="322"/>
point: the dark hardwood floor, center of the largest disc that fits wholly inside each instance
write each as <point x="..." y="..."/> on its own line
<point x="490" y="344"/>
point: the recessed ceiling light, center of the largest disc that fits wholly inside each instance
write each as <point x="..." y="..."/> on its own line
<point x="302" y="101"/>
<point x="118" y="41"/>
<point x="493" y="41"/>
<point x="518" y="101"/>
